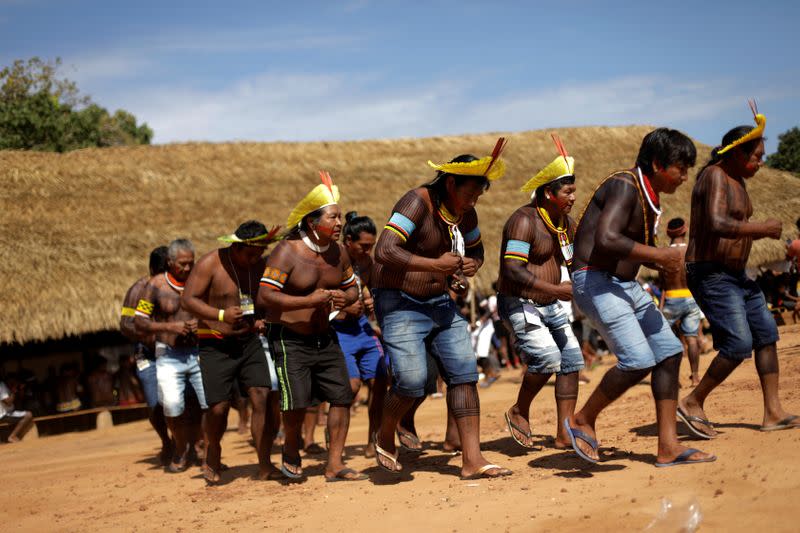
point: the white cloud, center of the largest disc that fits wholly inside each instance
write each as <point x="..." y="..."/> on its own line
<point x="294" y="106"/>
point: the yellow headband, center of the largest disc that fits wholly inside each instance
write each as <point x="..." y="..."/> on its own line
<point x="323" y="195"/>
<point x="755" y="133"/>
<point x="261" y="240"/>
<point x="561" y="167"/>
<point x="491" y="166"/>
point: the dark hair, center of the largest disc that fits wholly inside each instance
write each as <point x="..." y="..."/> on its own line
<point x="797" y="223"/>
<point x="665" y="147"/>
<point x="250" y="229"/>
<point x="439" y="183"/>
<point x="355" y="225"/>
<point x="158" y="260"/>
<point x="554" y="186"/>
<point x="675" y="223"/>
<point x="733" y="134"/>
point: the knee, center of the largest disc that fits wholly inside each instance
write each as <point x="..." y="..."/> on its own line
<point x="219" y="409"/>
<point x="258" y="397"/>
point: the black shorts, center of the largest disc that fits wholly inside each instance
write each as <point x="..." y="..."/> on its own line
<point x="230" y="361"/>
<point x="311" y="368"/>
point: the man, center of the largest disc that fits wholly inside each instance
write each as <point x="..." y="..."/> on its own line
<point x="159" y="313"/>
<point x="430" y="244"/>
<point x="21" y="420"/>
<point x="677" y="303"/>
<point x="537" y="239"/>
<point x="615" y="236"/>
<point x="362" y="348"/>
<point x="307" y="280"/>
<point x="720" y="239"/>
<point x="219" y="293"/>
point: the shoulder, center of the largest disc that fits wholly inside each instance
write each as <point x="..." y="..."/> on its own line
<point x="210" y="257"/>
<point x="415" y="198"/>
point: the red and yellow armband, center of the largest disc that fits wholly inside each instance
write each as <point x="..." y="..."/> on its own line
<point x="273" y="278"/>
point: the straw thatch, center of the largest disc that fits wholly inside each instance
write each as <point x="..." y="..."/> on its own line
<point x="77" y="227"/>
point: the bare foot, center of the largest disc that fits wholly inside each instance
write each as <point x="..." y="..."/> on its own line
<point x="369" y="451"/>
<point x="269" y="473"/>
<point x="211" y="476"/>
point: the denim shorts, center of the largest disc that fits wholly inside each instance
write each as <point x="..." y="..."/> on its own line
<point x="685" y="310"/>
<point x="410" y="326"/>
<point x="542" y="334"/>
<point x="361" y="347"/>
<point x="734" y="306"/>
<point x="627" y="318"/>
<point x="146" y="372"/>
<point x="174" y="367"/>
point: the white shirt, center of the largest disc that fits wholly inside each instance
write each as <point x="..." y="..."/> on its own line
<point x="4" y="394"/>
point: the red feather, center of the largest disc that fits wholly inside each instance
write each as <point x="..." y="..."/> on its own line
<point x="326" y="179"/>
<point x="272" y="232"/>
<point x="559" y="145"/>
<point x="498" y="149"/>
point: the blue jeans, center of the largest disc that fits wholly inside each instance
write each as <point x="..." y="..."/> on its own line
<point x="627" y="318"/>
<point x="146" y="372"/>
<point x="411" y="326"/>
<point x="542" y="334"/>
<point x="174" y="367"/>
<point x="735" y="307"/>
<point x="685" y="310"/>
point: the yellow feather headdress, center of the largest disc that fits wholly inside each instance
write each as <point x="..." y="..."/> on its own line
<point x="260" y="240"/>
<point x="755" y="133"/>
<point x="490" y="166"/>
<point x="323" y="195"/>
<point x="561" y="167"/>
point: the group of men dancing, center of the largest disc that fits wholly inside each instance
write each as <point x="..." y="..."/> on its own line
<point x="291" y="329"/>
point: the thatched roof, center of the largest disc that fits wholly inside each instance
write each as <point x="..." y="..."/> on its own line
<point x="77" y="227"/>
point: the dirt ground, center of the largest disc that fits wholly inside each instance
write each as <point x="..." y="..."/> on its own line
<point x="108" y="479"/>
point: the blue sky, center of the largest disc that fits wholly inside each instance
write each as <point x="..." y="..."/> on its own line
<point x="363" y="69"/>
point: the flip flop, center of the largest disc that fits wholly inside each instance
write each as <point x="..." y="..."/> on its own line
<point x="401" y="434"/>
<point x="683" y="459"/>
<point x="288" y="473"/>
<point x="513" y="427"/>
<point x="211" y="476"/>
<point x="380" y="452"/>
<point x="688" y="419"/>
<point x="341" y="475"/>
<point x="786" y="423"/>
<point x="314" y="449"/>
<point x="574" y="435"/>
<point x="481" y="473"/>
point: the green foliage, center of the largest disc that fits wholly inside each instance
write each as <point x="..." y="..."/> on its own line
<point x="39" y="111"/>
<point x="788" y="155"/>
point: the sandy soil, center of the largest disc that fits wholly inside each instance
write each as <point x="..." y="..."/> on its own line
<point x="107" y="479"/>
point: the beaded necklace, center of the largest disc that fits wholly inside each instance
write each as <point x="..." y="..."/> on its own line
<point x="452" y="227"/>
<point x="174" y="283"/>
<point x="559" y="231"/>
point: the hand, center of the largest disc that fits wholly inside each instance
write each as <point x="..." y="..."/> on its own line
<point x="232" y="315"/>
<point x="564" y="291"/>
<point x="339" y="299"/>
<point x="356" y="308"/>
<point x="772" y="228"/>
<point x="448" y="263"/>
<point x="469" y="266"/>
<point x="260" y="326"/>
<point x="369" y="304"/>
<point x="670" y="260"/>
<point x="191" y="325"/>
<point x="319" y="298"/>
<point x="459" y="284"/>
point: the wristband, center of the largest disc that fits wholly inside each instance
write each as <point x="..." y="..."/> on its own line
<point x="221" y="315"/>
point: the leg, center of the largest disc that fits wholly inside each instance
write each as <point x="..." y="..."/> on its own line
<point x="338" y="424"/>
<point x="718" y="371"/>
<point x="159" y="423"/>
<point x="216" y="420"/>
<point x="452" y="441"/>
<point x="664" y="384"/>
<point x="693" y="353"/>
<point x="309" y="424"/>
<point x="261" y="429"/>
<point x="377" y="394"/>
<point x="566" y="394"/>
<point x="355" y="386"/>
<point x="613" y="385"/>
<point x="519" y="414"/>
<point x="465" y="404"/>
<point x="244" y="414"/>
<point x="394" y="407"/>
<point x="768" y="373"/>
<point x="292" y="420"/>
<point x="22" y="427"/>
